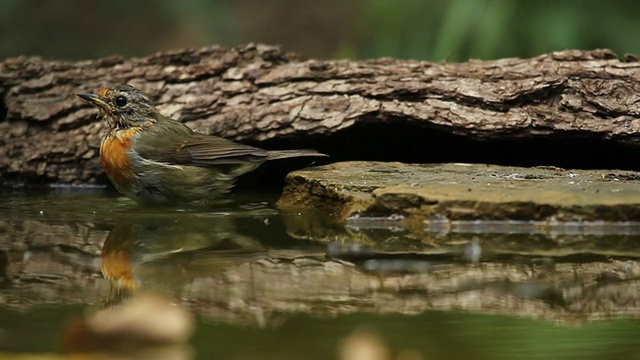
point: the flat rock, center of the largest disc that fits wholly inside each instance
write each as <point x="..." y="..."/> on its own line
<point x="432" y="193"/>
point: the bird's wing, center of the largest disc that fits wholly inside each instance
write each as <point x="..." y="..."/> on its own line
<point x="179" y="145"/>
<point x="213" y="150"/>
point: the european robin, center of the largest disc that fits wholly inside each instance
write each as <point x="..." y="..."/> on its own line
<point x="154" y="159"/>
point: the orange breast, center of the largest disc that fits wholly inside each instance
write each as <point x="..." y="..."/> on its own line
<point x="113" y="153"/>
<point x="117" y="257"/>
<point x="116" y="268"/>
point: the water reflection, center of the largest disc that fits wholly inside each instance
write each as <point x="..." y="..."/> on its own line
<point x="156" y="254"/>
<point x="251" y="267"/>
<point x="460" y="272"/>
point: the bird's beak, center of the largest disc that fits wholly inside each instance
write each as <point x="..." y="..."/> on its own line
<point x="95" y="99"/>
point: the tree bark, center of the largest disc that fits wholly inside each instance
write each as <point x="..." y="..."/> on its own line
<point x="257" y="93"/>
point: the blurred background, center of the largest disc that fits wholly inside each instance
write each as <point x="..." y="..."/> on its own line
<point x="453" y="30"/>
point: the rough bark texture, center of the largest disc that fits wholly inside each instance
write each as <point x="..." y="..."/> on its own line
<point x="257" y="93"/>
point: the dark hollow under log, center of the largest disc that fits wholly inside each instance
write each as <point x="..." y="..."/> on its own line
<point x="572" y="108"/>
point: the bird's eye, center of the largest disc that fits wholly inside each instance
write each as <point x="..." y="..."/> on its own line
<point x="121" y="101"/>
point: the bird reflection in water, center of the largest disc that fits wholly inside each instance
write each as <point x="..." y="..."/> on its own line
<point x="164" y="254"/>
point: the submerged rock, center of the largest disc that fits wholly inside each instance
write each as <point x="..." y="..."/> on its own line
<point x="142" y="322"/>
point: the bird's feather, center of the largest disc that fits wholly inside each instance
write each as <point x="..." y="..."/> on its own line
<point x="174" y="143"/>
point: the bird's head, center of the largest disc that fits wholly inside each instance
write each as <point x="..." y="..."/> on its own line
<point x="123" y="106"/>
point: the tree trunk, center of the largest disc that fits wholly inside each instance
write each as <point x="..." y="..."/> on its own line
<point x="348" y="109"/>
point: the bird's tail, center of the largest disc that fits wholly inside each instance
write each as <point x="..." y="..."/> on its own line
<point x="283" y="154"/>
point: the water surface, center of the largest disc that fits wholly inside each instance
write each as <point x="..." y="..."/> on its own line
<point x="266" y="284"/>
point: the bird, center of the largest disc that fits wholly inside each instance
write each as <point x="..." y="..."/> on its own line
<point x="154" y="159"/>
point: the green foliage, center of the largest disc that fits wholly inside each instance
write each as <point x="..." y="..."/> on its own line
<point x="458" y="30"/>
<point x="453" y="30"/>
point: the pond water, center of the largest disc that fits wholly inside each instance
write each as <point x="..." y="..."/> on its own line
<point x="270" y="284"/>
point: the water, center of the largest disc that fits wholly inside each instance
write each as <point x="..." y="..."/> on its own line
<point x="295" y="285"/>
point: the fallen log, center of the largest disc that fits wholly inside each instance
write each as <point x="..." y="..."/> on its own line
<point x="570" y="108"/>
